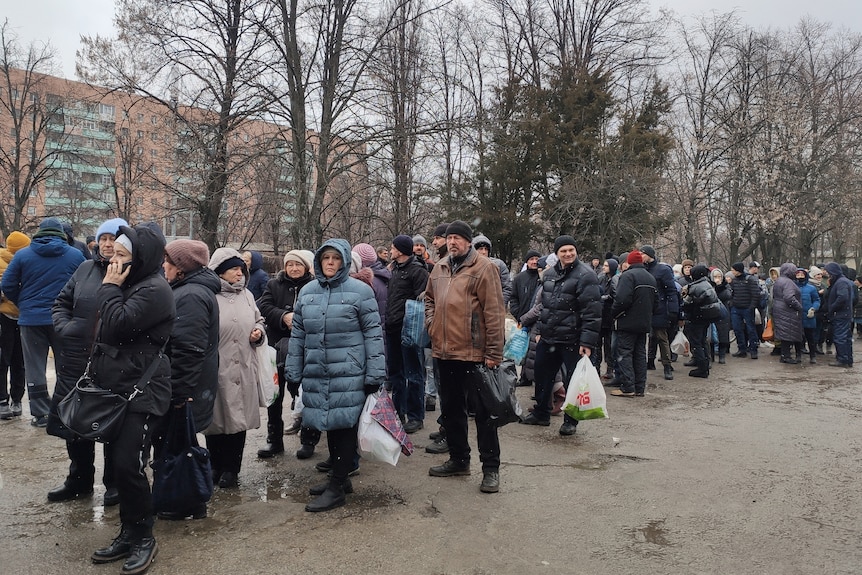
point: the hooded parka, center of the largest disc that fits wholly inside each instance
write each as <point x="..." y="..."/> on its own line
<point x="787" y="305"/>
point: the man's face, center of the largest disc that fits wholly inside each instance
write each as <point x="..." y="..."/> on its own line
<point x="596" y="262"/>
<point x="457" y="245"/>
<point x="383" y="254"/>
<point x="686" y="270"/>
<point x="419" y="250"/>
<point x="438" y="242"/>
<point x="567" y="255"/>
<point x="394" y="253"/>
<point x="646" y="258"/>
<point x="533" y="263"/>
<point x="754" y="270"/>
<point x="483" y="250"/>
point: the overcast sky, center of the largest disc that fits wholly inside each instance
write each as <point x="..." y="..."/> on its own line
<point x="62" y="22"/>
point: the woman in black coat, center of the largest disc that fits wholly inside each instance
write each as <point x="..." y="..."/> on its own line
<point x="74" y="315"/>
<point x="722" y="325"/>
<point x="276" y="307"/>
<point x="193" y="348"/>
<point x="136" y="318"/>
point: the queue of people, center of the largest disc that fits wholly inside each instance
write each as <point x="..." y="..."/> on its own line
<point x="335" y="317"/>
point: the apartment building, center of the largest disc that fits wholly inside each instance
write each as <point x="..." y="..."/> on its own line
<point x="92" y="154"/>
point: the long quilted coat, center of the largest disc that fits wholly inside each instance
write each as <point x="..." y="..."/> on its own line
<point x="336" y="345"/>
<point x="787" y="305"/>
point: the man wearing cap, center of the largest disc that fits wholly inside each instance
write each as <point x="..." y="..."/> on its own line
<point x="405" y="363"/>
<point x="634" y="305"/>
<point x="438" y="242"/>
<point x="276" y="307"/>
<point x="568" y="327"/>
<point x="524" y="288"/>
<point x="482" y="245"/>
<point x="420" y="250"/>
<point x="464" y="314"/>
<point x="745" y="299"/>
<point x="32" y="281"/>
<point x="666" y="314"/>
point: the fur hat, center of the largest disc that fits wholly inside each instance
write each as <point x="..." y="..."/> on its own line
<point x="564" y="241"/>
<point x="460" y="228"/>
<point x="366" y="253"/>
<point x="304" y="257"/>
<point x="188" y="255"/>
<point x="440" y="231"/>
<point x="687" y="263"/>
<point x="482" y="240"/>
<point x="403" y="244"/>
<point x="16" y="241"/>
<point x="634" y="257"/>
<point x="739" y="267"/>
<point x="648" y="250"/>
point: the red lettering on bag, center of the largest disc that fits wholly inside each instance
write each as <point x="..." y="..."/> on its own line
<point x="584" y="398"/>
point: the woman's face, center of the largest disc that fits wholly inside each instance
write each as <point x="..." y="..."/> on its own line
<point x="294" y="269"/>
<point x="121" y="254"/>
<point x="717" y="278"/>
<point x="330" y="263"/>
<point x="106" y="245"/>
<point x="232" y="275"/>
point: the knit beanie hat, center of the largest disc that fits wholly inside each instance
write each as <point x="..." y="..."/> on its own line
<point x="460" y="228"/>
<point x="648" y="250"/>
<point x="355" y="262"/>
<point x="51" y="227"/>
<point x="613" y="266"/>
<point x="738" y="266"/>
<point x="699" y="271"/>
<point x="564" y="241"/>
<point x="366" y="253"/>
<point x="634" y="257"/>
<point x="188" y="255"/>
<point x="16" y="241"/>
<point x="531" y="254"/>
<point x="419" y="241"/>
<point x="481" y="240"/>
<point x="624" y="257"/>
<point x="403" y="244"/>
<point x="812" y="271"/>
<point x="110" y="227"/>
<point x="304" y="257"/>
<point x="228" y="264"/>
<point x="440" y="231"/>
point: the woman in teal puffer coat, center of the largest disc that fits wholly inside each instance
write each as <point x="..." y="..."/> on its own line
<point x="336" y="353"/>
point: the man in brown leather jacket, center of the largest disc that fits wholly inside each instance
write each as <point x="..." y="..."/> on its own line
<point x="464" y="314"/>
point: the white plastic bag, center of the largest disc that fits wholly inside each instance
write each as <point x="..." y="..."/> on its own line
<point x="267" y="372"/>
<point x="680" y="345"/>
<point x="375" y="443"/>
<point x="585" y="398"/>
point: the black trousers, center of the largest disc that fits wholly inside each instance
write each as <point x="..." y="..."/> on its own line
<point x="11" y="361"/>
<point x="130" y="454"/>
<point x="226" y="451"/>
<point x="343" y="452"/>
<point x="82" y="469"/>
<point x="631" y="361"/>
<point x="458" y="385"/>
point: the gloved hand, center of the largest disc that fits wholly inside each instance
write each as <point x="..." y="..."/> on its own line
<point x="810" y="312"/>
<point x="371" y="388"/>
<point x="293" y="388"/>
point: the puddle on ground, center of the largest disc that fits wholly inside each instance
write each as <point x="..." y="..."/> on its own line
<point x="653" y="532"/>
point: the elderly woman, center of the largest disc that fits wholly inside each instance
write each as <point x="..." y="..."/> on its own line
<point x="136" y="314"/>
<point x="722" y="324"/>
<point x="241" y="331"/>
<point x="787" y="311"/>
<point x="75" y="314"/>
<point x="336" y="352"/>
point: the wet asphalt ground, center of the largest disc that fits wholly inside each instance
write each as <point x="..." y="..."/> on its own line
<point x="755" y="470"/>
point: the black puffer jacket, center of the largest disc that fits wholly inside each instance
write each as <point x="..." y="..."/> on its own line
<point x="408" y="281"/>
<point x="193" y="348"/>
<point x="667" y="311"/>
<point x="136" y="320"/>
<point x="636" y="300"/>
<point x="74" y="314"/>
<point x="571" y="305"/>
<point x="523" y="292"/>
<point x="700" y="302"/>
<point x="278" y="299"/>
<point x="746" y="291"/>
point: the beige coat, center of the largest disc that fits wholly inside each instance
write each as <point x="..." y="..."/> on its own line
<point x="236" y="406"/>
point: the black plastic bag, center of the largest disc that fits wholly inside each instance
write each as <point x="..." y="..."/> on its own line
<point x="497" y="393"/>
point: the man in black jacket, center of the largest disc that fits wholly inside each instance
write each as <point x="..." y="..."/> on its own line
<point x="524" y="288"/>
<point x="567" y="329"/>
<point x="633" y="308"/>
<point x="666" y="313"/>
<point x="746" y="297"/>
<point x="405" y="364"/>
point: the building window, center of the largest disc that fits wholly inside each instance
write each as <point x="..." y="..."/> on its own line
<point x="88" y="124"/>
<point x="140" y="117"/>
<point x="154" y="120"/>
<point x="154" y="153"/>
<point x="140" y="133"/>
<point x="154" y="136"/>
<point x="106" y="110"/>
<point x="31" y="211"/>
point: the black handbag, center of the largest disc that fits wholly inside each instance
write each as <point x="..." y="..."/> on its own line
<point x="182" y="475"/>
<point x="497" y="393"/>
<point x="97" y="414"/>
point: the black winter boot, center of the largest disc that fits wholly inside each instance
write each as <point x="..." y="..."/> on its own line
<point x="274" y="440"/>
<point x="119" y="548"/>
<point x="702" y="369"/>
<point x="331" y="498"/>
<point x="141" y="556"/>
<point x="308" y="438"/>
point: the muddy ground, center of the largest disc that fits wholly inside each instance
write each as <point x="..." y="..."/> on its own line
<point x="753" y="471"/>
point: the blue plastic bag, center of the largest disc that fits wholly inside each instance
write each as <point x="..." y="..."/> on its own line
<point x="517" y="345"/>
<point x="413" y="332"/>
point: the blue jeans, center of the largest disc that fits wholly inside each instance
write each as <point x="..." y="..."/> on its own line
<point x="35" y="341"/>
<point x="406" y="377"/>
<point x="842" y="337"/>
<point x="430" y="379"/>
<point x="742" y="320"/>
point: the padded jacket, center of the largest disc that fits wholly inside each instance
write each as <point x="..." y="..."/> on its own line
<point x="635" y="300"/>
<point x="571" y="305"/>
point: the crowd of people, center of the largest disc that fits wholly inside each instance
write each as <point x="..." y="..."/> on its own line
<point x="129" y="305"/>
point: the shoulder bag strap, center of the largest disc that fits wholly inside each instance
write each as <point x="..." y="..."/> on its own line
<point x="145" y="379"/>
